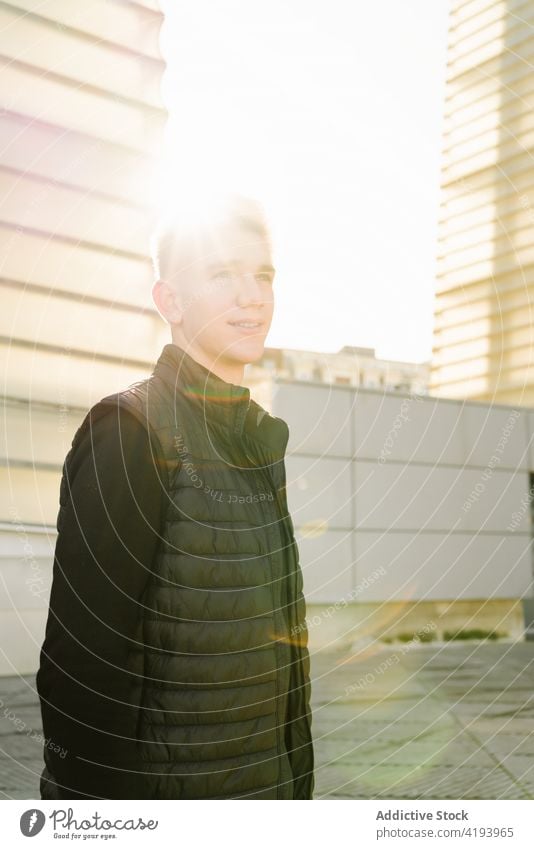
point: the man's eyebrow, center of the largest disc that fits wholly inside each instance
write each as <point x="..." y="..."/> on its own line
<point x="215" y="266"/>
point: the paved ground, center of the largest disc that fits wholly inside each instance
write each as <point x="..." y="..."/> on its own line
<point x="447" y="721"/>
<point x="401" y="722"/>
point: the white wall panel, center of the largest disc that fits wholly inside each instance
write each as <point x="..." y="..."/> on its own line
<point x="320" y="418"/>
<point x="327" y="566"/>
<point x="424" y="497"/>
<point x="447" y="514"/>
<point x="400" y="427"/>
<point x="319" y="490"/>
<point x="441" y="567"/>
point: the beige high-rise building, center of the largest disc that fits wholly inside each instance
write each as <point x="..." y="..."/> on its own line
<point x="81" y="120"/>
<point x="483" y="334"/>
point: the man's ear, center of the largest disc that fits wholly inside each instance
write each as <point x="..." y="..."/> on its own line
<point x="167" y="302"/>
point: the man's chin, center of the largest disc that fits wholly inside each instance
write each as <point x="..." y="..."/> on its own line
<point x="247" y="350"/>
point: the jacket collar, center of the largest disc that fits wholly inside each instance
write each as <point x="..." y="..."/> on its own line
<point x="227" y="404"/>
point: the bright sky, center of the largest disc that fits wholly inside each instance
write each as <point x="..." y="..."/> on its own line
<point x="331" y="114"/>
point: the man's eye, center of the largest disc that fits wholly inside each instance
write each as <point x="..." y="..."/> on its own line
<point x="223" y="275"/>
<point x="264" y="277"/>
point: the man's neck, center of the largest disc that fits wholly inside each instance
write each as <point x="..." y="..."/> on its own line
<point x="231" y="372"/>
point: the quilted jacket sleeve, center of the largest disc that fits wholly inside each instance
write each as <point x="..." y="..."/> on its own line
<point x="109" y="525"/>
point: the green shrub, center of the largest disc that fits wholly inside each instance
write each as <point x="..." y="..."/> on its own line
<point x="427" y="636"/>
<point x="472" y="634"/>
<point x="408" y="636"/>
<point x="405" y="637"/>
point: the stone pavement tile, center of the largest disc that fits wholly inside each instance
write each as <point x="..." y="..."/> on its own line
<point x="374" y="734"/>
<point x="410" y="723"/>
<point x="485" y="708"/>
<point x="499" y="783"/>
<point x="17" y="718"/>
<point x="446" y="731"/>
<point x="522" y="769"/>
<point x="431" y="752"/>
<point x="21" y="791"/>
<point x="9" y="793"/>
<point x="398" y="696"/>
<point x="423" y="754"/>
<point x="501" y="745"/>
<point x="18" y="687"/>
<point x="20" y="745"/>
<point x="464" y="782"/>
<point x="468" y="664"/>
<point x="425" y="710"/>
<point x="342" y="708"/>
<point x="22" y="775"/>
<point x="520" y="744"/>
<point x="415" y="783"/>
<point x="356" y="782"/>
<point x="505" y="700"/>
<point x="487" y="726"/>
<point x="357" y="676"/>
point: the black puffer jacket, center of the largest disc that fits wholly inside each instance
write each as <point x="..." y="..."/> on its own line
<point x="220" y="656"/>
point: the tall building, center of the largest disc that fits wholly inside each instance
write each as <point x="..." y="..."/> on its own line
<point x="81" y="121"/>
<point x="483" y="334"/>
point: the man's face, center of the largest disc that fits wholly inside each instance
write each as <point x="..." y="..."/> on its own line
<point x="227" y="283"/>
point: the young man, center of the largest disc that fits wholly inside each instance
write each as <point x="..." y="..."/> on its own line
<point x="175" y="663"/>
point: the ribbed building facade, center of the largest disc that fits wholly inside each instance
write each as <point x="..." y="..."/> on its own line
<point x="81" y="122"/>
<point x="483" y="334"/>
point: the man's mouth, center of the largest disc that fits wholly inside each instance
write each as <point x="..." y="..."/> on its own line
<point x="250" y="325"/>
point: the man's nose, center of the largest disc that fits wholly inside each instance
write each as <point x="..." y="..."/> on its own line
<point x="249" y="288"/>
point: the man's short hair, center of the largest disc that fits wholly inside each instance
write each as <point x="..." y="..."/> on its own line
<point x="183" y="233"/>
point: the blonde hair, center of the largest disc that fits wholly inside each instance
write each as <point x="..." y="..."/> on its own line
<point x="183" y="231"/>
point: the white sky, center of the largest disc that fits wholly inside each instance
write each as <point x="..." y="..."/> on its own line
<point x="331" y="114"/>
